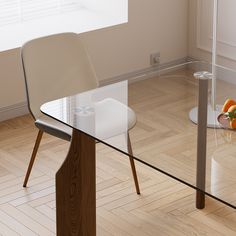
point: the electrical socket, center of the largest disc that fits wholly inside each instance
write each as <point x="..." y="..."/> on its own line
<point x="155" y="59"/>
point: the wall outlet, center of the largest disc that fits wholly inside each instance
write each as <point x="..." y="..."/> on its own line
<point x="155" y="59"/>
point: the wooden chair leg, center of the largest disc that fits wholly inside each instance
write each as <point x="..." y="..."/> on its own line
<point x="35" y="150"/>
<point x="133" y="165"/>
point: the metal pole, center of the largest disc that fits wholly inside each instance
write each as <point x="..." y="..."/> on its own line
<point x="214" y="55"/>
<point x="201" y="137"/>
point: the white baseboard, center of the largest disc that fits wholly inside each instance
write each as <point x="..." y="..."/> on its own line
<point x="20" y="109"/>
<point x="13" y="111"/>
<point x="147" y="72"/>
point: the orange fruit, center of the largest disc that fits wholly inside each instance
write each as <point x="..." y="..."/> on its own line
<point x="233" y="123"/>
<point x="231" y="113"/>
<point x="228" y="104"/>
<point x="232" y="108"/>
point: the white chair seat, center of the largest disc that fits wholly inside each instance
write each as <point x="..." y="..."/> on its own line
<point x="112" y="118"/>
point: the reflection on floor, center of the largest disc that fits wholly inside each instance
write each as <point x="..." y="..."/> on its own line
<point x="165" y="206"/>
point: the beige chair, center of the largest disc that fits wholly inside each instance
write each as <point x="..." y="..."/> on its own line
<point x="57" y="66"/>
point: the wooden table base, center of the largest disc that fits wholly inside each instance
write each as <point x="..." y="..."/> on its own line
<point x="76" y="189"/>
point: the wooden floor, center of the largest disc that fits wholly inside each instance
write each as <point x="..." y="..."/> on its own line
<point x="165" y="206"/>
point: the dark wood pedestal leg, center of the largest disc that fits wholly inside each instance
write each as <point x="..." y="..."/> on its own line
<point x="201" y="140"/>
<point x="200" y="200"/>
<point x="76" y="189"/>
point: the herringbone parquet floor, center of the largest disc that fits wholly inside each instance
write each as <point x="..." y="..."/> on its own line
<point x="164" y="208"/>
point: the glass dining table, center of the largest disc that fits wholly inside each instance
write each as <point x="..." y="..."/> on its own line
<point x="171" y="136"/>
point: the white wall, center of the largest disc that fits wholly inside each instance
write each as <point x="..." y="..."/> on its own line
<point x="154" y="25"/>
<point x="12" y="90"/>
<point x="200" y="31"/>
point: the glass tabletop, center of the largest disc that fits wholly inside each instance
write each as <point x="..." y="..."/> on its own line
<point x="156" y="113"/>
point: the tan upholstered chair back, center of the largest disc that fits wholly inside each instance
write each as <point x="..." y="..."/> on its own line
<point x="55" y="66"/>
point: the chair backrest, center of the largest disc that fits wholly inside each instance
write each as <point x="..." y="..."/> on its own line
<point x="55" y="66"/>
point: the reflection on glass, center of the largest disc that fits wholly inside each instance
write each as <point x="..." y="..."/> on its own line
<point x="101" y="113"/>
